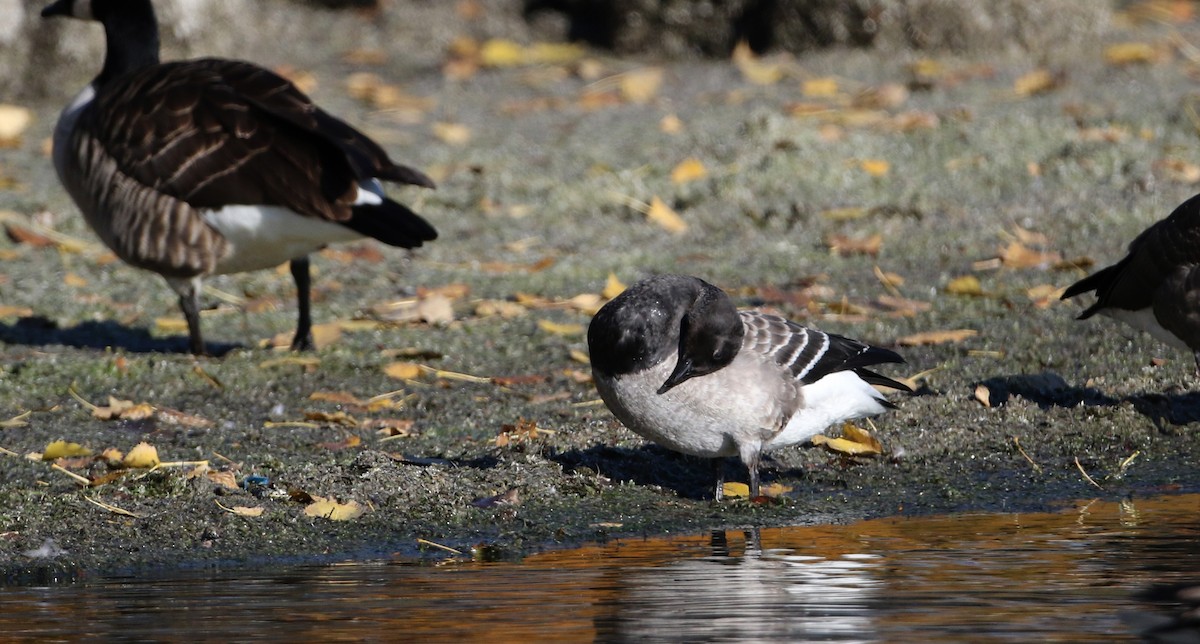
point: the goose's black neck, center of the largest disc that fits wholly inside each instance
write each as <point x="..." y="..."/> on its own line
<point x="131" y="31"/>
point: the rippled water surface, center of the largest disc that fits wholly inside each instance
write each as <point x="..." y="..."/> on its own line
<point x="1069" y="576"/>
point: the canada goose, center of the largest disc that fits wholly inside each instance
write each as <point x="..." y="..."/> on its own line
<point x="213" y="166"/>
<point x="679" y="365"/>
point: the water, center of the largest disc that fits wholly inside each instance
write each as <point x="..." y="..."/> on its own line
<point x="1068" y="576"/>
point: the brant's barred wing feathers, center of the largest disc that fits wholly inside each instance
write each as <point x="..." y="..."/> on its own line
<point x="215" y="132"/>
<point x="811" y="354"/>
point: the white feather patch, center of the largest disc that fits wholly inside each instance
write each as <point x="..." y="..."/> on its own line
<point x="834" y="399"/>
<point x="266" y="236"/>
<point x="1144" y="320"/>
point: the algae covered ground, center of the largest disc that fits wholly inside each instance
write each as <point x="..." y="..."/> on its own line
<point x="878" y="195"/>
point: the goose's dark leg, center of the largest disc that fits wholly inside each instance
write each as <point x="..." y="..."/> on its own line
<point x="718" y="465"/>
<point x="753" y="467"/>
<point x="303" y="340"/>
<point x="189" y="301"/>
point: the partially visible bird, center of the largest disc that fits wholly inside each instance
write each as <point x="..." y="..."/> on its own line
<point x="678" y="364"/>
<point x="213" y="166"/>
<point x="1156" y="286"/>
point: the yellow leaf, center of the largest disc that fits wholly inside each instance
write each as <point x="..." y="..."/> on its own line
<point x="1035" y="82"/>
<point x="661" y="214"/>
<point x="171" y="325"/>
<point x="753" y="68"/>
<point x="826" y="87"/>
<point x="612" y="287"/>
<point x="861" y="436"/>
<point x="1179" y="170"/>
<point x="670" y="124"/>
<point x="499" y="52"/>
<point x="965" y="285"/>
<point x="559" y="328"/>
<point x="452" y="133"/>
<point x="1131" y="53"/>
<point x="735" y="490"/>
<point x="875" y="167"/>
<point x="14" y="120"/>
<point x="641" y="85"/>
<point x="75" y="281"/>
<point x="553" y="53"/>
<point x="332" y="510"/>
<point x="936" y="337"/>
<point x="143" y="455"/>
<point x="403" y="370"/>
<point x="62" y="449"/>
<point x="579" y="356"/>
<point x="843" y="445"/>
<point x="688" y="170"/>
<point x="1044" y="295"/>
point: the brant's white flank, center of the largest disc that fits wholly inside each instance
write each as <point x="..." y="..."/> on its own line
<point x="678" y="364"/>
<point x="212" y="166"/>
<point x="1156" y="287"/>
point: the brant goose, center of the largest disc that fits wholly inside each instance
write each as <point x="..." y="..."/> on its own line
<point x="213" y="166"/>
<point x="678" y="364"/>
<point x="1156" y="287"/>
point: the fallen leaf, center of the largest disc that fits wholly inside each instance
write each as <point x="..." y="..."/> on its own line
<point x="558" y="328"/>
<point x="118" y="409"/>
<point x="734" y="490"/>
<point x="875" y="167"/>
<point x="62" y="449"/>
<point x="886" y="96"/>
<point x="1018" y="255"/>
<point x="641" y="85"/>
<point x="1132" y="53"/>
<point x="844" y="245"/>
<point x="244" y="510"/>
<point x="15" y="312"/>
<point x="825" y="87"/>
<point x="332" y="418"/>
<point x="1179" y="171"/>
<point x="142" y="456"/>
<point x="332" y="510"/>
<point x="225" y="479"/>
<point x="403" y="370"/>
<point x="1045" y="295"/>
<point x="22" y="235"/>
<point x="499" y="52"/>
<point x="845" y="214"/>
<point x="841" y="445"/>
<point x="688" y="170"/>
<point x="612" y="287"/>
<point x="670" y="124"/>
<point x="14" y="120"/>
<point x="936" y="337"/>
<point x="662" y="214"/>
<point x="451" y="133"/>
<point x="1037" y="81"/>
<point x="965" y="285"/>
<point x="755" y="69"/>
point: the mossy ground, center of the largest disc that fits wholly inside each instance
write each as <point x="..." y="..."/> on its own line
<point x="542" y="177"/>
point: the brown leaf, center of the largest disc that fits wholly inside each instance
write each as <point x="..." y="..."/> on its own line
<point x="1018" y="255"/>
<point x="511" y="497"/>
<point x="843" y="245"/>
<point x="936" y="337"/>
<point x="21" y="235"/>
<point x="1037" y="81"/>
<point x="117" y="409"/>
<point x="509" y="381"/>
<point x="334" y="418"/>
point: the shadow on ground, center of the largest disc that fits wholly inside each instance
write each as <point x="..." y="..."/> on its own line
<point x="690" y="477"/>
<point x="38" y="331"/>
<point x="1049" y="389"/>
